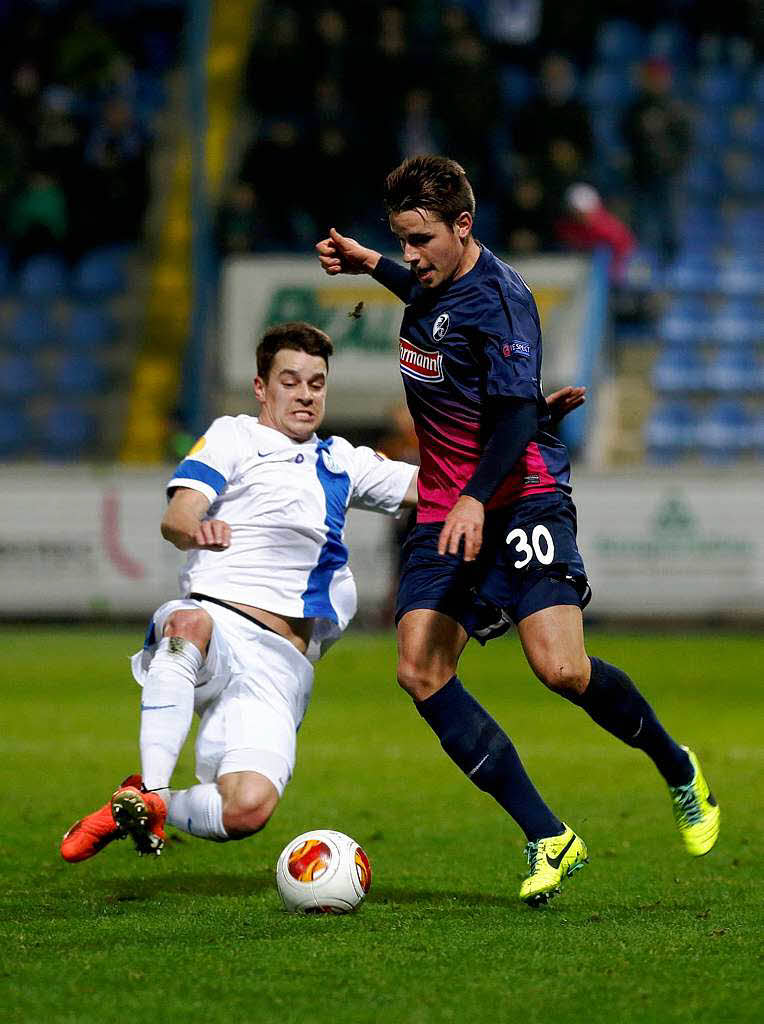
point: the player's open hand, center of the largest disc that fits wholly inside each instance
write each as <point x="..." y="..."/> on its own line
<point x="212" y="535"/>
<point x="340" y="255"/>
<point x="564" y="401"/>
<point x="463" y="522"/>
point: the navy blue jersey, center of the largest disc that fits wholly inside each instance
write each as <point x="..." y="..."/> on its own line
<point x="477" y="337"/>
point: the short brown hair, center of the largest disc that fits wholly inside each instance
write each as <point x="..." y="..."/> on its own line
<point x="298" y="336"/>
<point x="432" y="183"/>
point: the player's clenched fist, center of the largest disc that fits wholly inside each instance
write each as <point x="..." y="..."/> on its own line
<point x="213" y="535"/>
<point x="340" y="255"/>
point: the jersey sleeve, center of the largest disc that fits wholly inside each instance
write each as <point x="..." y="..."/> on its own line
<point x="378" y="484"/>
<point x="210" y="464"/>
<point x="512" y="351"/>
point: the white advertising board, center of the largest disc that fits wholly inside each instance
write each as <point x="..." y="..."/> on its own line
<point x="670" y="545"/>
<point x="75" y="543"/>
<point x="363" y="320"/>
<point x="79" y="543"/>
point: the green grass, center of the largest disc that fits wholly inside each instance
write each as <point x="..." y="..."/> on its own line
<point x="643" y="934"/>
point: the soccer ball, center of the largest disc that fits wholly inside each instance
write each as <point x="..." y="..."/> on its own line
<point x="323" y="872"/>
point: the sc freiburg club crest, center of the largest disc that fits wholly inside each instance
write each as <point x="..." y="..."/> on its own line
<point x="440" y="327"/>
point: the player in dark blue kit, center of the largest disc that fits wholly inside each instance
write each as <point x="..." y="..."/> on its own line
<point x="495" y="540"/>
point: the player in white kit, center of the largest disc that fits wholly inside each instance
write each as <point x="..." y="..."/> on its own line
<point x="260" y="504"/>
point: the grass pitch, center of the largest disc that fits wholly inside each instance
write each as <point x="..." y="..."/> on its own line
<point x="644" y="933"/>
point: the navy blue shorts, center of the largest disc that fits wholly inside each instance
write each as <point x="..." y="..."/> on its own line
<point x="529" y="560"/>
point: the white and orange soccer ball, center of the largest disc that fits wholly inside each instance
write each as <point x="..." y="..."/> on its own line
<point x="323" y="872"/>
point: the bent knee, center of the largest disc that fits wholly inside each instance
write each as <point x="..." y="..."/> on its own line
<point x="249" y="800"/>
<point x="565" y="677"/>
<point x="421" y="680"/>
<point x="245" y="818"/>
<point x="194" y="625"/>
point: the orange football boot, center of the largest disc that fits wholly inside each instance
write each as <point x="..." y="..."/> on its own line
<point x="91" y="834"/>
<point x="141" y="815"/>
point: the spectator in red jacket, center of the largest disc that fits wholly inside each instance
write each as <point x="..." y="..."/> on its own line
<point x="586" y="224"/>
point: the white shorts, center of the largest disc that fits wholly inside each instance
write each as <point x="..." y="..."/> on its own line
<point x="252" y="694"/>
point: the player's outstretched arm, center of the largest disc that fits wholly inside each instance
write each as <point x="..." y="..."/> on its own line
<point x="184" y="524"/>
<point x="340" y="255"/>
<point x="564" y="401"/>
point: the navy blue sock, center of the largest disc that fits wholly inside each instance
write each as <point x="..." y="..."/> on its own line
<point x="612" y="700"/>
<point x="476" y="743"/>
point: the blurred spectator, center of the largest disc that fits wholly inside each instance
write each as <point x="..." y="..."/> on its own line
<point x="278" y="67"/>
<point x="388" y="64"/>
<point x="420" y="132"/>
<point x="587" y="224"/>
<point x="331" y="47"/>
<point x="512" y="26"/>
<point x="112" y="191"/>
<point x="466" y="97"/>
<point x="242" y="226"/>
<point x="657" y="131"/>
<point x="86" y="55"/>
<point x="528" y="221"/>
<point x="277" y="155"/>
<point x="555" y="127"/>
<point x="333" y="195"/>
<point x="38" y="220"/>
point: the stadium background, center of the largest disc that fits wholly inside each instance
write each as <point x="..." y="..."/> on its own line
<point x="166" y="169"/>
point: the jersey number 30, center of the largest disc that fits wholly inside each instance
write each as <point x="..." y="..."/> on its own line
<point x="541" y="545"/>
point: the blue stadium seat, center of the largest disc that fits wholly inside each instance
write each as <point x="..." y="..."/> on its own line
<point x="78" y="374"/>
<point x="703" y="177"/>
<point x="719" y="87"/>
<point x="701" y="228"/>
<point x="516" y="86"/>
<point x="743" y="174"/>
<point x="692" y="272"/>
<point x="756" y="92"/>
<point x="31" y="328"/>
<point x="14" y="432"/>
<point x="734" y="370"/>
<point x="89" y="327"/>
<point x="679" y="369"/>
<point x="747" y="128"/>
<point x="670" y="41"/>
<point x="619" y="42"/>
<point x="66" y="431"/>
<point x="757" y="435"/>
<point x="725" y="432"/>
<point x="20" y="378"/>
<point x="612" y="88"/>
<point x="670" y="431"/>
<point x="685" y="321"/>
<point x="738" y="321"/>
<point x="713" y="129"/>
<point x="5" y="272"/>
<point x="42" y="277"/>
<point x="100" y="273"/>
<point x="643" y="272"/>
<point x="743" y="275"/>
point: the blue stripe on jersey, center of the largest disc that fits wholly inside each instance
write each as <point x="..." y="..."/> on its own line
<point x="190" y="469"/>
<point x="151" y="636"/>
<point x="334" y="554"/>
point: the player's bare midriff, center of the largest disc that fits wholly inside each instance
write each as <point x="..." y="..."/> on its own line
<point x="297" y="631"/>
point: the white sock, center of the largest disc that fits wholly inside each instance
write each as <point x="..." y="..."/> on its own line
<point x="198" y="811"/>
<point x="167" y="707"/>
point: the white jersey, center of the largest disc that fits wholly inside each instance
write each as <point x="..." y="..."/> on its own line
<point x="286" y="503"/>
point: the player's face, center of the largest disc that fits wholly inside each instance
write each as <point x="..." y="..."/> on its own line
<point x="293" y="397"/>
<point x="435" y="251"/>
